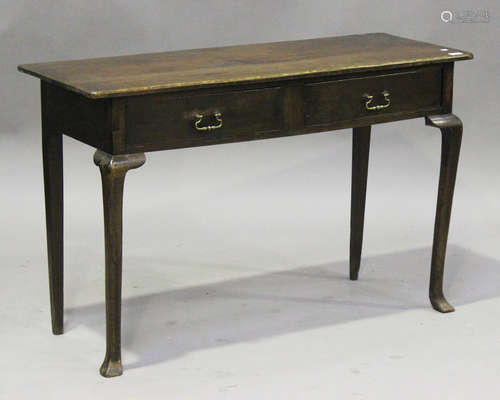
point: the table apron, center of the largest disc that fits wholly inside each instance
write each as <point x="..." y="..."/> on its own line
<point x="236" y="113"/>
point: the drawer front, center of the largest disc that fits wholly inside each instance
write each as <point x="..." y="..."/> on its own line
<point x="372" y="97"/>
<point x="165" y="121"/>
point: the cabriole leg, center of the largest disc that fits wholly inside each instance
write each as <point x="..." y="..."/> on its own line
<point x="113" y="170"/>
<point x="451" y="132"/>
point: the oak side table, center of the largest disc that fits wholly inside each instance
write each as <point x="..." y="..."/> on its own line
<point x="128" y="105"/>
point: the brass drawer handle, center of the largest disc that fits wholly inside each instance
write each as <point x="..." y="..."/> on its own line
<point x="369" y="99"/>
<point x="199" y="118"/>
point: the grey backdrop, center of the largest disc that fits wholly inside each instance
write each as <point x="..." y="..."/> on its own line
<point x="235" y="260"/>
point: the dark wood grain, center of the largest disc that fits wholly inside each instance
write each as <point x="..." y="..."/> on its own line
<point x="162" y="121"/>
<point x="451" y="132"/>
<point x="113" y="170"/>
<point x="250" y="112"/>
<point x="124" y="106"/>
<point x="52" y="150"/>
<point x="166" y="121"/>
<point x="447" y="88"/>
<point x="412" y="89"/>
<point x="360" y="156"/>
<point x="74" y="115"/>
<point x="180" y="70"/>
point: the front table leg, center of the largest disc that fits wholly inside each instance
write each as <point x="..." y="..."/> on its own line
<point x="113" y="169"/>
<point x="451" y="131"/>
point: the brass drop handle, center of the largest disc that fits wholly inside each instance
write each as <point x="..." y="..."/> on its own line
<point x="369" y="98"/>
<point x="199" y="119"/>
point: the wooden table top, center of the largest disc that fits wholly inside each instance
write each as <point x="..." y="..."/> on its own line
<point x="186" y="69"/>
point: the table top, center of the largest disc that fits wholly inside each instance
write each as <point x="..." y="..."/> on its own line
<point x="216" y="66"/>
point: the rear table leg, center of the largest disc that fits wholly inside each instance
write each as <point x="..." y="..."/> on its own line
<point x="360" y="153"/>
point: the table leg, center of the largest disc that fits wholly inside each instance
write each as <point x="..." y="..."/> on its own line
<point x="360" y="153"/>
<point x="53" y="184"/>
<point x="113" y="170"/>
<point x="451" y="132"/>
